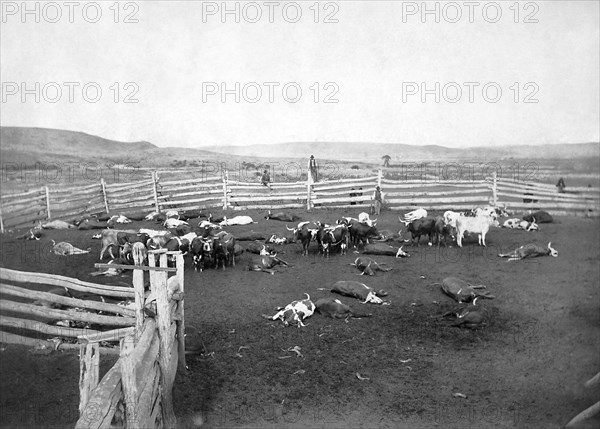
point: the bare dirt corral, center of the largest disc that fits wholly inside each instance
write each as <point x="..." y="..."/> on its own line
<point x="526" y="368"/>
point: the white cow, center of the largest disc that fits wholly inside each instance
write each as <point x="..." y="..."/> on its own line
<point x="364" y="218"/>
<point x="478" y="224"/>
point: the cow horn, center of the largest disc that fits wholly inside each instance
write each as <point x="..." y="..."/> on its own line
<point x="550" y="245"/>
<point x="289" y="229"/>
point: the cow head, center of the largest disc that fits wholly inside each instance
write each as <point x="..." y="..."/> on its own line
<point x="401" y="253"/>
<point x="373" y="298"/>
<point x="553" y="252"/>
<point x="533" y="226"/>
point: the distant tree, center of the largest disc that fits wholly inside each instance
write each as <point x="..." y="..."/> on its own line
<point x="355" y="167"/>
<point x="386" y="160"/>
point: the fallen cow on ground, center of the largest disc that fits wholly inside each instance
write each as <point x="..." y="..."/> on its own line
<point x="384" y="249"/>
<point x="295" y="312"/>
<point x="63" y="249"/>
<point x="359" y="290"/>
<point x="462" y="291"/>
<point x="368" y="266"/>
<point x="529" y="251"/>
<point x="334" y="308"/>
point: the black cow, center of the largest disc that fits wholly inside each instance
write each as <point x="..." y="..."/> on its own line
<point x="419" y="227"/>
<point x="441" y="230"/>
<point x="360" y="232"/>
<point x="333" y="236"/>
<point x="202" y="249"/>
<point x="302" y="234"/>
<point x="224" y="249"/>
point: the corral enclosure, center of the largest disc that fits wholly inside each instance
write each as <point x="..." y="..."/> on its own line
<point x="399" y="368"/>
<point x="525" y="369"/>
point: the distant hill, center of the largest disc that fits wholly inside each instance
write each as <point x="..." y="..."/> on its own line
<point x="31" y="145"/>
<point x="372" y="152"/>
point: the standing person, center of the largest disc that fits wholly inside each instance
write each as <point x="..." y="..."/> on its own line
<point x="377" y="199"/>
<point x="266" y="179"/>
<point x="561" y="185"/>
<point x="313" y="169"/>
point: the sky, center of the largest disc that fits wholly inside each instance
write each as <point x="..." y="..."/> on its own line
<point x="187" y="74"/>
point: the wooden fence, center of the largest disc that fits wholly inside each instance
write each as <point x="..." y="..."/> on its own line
<point x="137" y="391"/>
<point x="158" y="193"/>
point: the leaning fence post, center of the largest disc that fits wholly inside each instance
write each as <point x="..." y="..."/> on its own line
<point x="48" y="203"/>
<point x="103" y="183"/>
<point x="154" y="187"/>
<point x="495" y="189"/>
<point x="225" y="177"/>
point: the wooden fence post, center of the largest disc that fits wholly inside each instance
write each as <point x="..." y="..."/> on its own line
<point x="225" y="177"/>
<point x="138" y="285"/>
<point x="154" y="186"/>
<point x="48" y="215"/>
<point x="1" y="222"/>
<point x="379" y="177"/>
<point x="308" y="192"/>
<point x="181" y="316"/>
<point x="89" y="371"/>
<point x="103" y="183"/>
<point x="495" y="189"/>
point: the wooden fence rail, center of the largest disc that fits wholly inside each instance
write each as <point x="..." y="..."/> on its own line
<point x="193" y="191"/>
<point x="137" y="391"/>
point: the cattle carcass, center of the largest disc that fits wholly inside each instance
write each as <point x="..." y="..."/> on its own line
<point x="112" y="271"/>
<point x="414" y="215"/>
<point x="58" y="224"/>
<point x="285" y="217"/>
<point x="174" y="223"/>
<point x="258" y="248"/>
<point x="540" y="216"/>
<point x="384" y="249"/>
<point x="63" y="249"/>
<point x="387" y="235"/>
<point x="512" y="223"/>
<point x="420" y="227"/>
<point x="368" y="266"/>
<point x="358" y="290"/>
<point x="336" y="309"/>
<point x="208" y="224"/>
<point x="479" y="225"/>
<point x="471" y="316"/>
<point x="277" y="240"/>
<point x="237" y="220"/>
<point x="462" y="291"/>
<point x="295" y="312"/>
<point x="202" y="249"/>
<point x="89" y="224"/>
<point x="530" y="251"/>
<point x="117" y="219"/>
<point x="225" y="249"/>
<point x="265" y="263"/>
<point x="32" y="234"/>
<point x="528" y="226"/>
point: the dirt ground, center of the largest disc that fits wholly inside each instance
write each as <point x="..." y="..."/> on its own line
<point x="526" y="368"/>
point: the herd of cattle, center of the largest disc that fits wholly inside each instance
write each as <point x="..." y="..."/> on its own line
<point x="210" y="246"/>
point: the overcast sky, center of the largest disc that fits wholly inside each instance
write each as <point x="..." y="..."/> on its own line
<point x="375" y="61"/>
